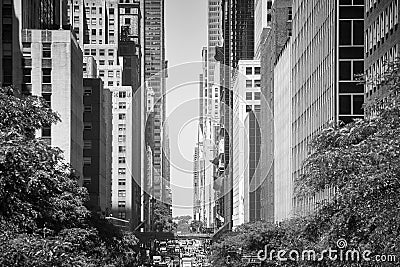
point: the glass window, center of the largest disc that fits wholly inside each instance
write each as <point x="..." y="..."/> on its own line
<point x="121" y="204"/>
<point x="87" y="161"/>
<point x="122" y="105"/>
<point x="88" y="108"/>
<point x="257" y="83"/>
<point x="87" y="180"/>
<point x="27" y="75"/>
<point x="46" y="75"/>
<point x="87" y="144"/>
<point x="358" y="101"/>
<point x="121" y="138"/>
<point x="122" y="127"/>
<point x="249" y="95"/>
<point x="249" y="70"/>
<point x="345" y="32"/>
<point x="257" y="95"/>
<point x="122" y="116"/>
<point x="121" y="160"/>
<point x="121" y="193"/>
<point x="87" y="126"/>
<point x="122" y="149"/>
<point x="249" y="83"/>
<point x="122" y="94"/>
<point x="46" y="50"/>
<point x="345" y="104"/>
<point x="257" y="70"/>
<point x="122" y="171"/>
<point x="345" y="70"/>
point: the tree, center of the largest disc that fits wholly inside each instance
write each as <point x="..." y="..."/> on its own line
<point x="42" y="215"/>
<point x="162" y="219"/>
<point x="361" y="162"/>
<point x="196" y="226"/>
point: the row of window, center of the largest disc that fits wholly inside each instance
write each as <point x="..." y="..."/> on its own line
<point x="27" y="75"/>
<point x="385" y="22"/>
<point x="110" y="73"/>
<point x="249" y="83"/>
<point x="251" y="70"/>
<point x="253" y="95"/>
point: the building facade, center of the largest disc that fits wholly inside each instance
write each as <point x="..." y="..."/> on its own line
<point x="237" y="26"/>
<point x="382" y="38"/>
<point x="273" y="40"/>
<point x="246" y="142"/>
<point x="17" y="15"/>
<point x="154" y="72"/>
<point x="328" y="49"/>
<point x="283" y="183"/>
<point x="52" y="68"/>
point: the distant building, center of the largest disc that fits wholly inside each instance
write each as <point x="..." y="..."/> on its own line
<point x="246" y="141"/>
<point x="382" y="40"/>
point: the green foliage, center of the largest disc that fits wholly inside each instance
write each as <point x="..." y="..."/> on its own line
<point x="162" y="220"/>
<point x="42" y="215"/>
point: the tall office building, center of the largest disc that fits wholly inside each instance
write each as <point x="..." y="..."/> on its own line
<point x="382" y="38"/>
<point x="283" y="183"/>
<point x="246" y="141"/>
<point x="52" y="68"/>
<point x="110" y="32"/>
<point x="155" y="73"/>
<point x="327" y="52"/>
<point x="237" y="26"/>
<point x="273" y="40"/>
<point x="209" y="125"/>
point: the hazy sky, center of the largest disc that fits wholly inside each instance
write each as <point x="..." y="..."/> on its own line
<point x="186" y="34"/>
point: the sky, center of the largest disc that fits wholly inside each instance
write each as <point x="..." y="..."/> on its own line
<point x="186" y="34"/>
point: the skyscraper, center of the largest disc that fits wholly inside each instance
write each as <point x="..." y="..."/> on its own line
<point x="237" y="25"/>
<point x="154" y="74"/>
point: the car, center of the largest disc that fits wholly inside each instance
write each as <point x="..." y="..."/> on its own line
<point x="187" y="262"/>
<point x="156" y="260"/>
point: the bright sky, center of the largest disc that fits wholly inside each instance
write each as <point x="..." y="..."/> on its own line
<point x="186" y="34"/>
